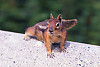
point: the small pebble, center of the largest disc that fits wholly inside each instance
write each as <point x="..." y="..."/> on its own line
<point x="79" y="64"/>
<point x="88" y="47"/>
<point x="13" y="61"/>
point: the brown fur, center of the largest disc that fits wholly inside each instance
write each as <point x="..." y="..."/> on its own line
<point x="48" y="32"/>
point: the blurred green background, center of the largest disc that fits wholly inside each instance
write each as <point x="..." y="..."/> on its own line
<point x="17" y="15"/>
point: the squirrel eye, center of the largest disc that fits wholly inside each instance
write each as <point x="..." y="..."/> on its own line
<point x="57" y="24"/>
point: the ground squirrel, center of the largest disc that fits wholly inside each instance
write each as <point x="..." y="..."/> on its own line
<point x="51" y="31"/>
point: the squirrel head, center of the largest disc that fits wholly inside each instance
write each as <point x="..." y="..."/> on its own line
<point x="54" y="24"/>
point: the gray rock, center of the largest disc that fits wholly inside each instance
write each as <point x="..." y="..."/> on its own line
<point x="16" y="52"/>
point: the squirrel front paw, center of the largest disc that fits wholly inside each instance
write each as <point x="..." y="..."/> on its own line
<point x="63" y="50"/>
<point x="50" y="55"/>
<point x="26" y="38"/>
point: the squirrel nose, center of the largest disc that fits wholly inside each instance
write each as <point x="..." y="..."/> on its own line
<point x="50" y="29"/>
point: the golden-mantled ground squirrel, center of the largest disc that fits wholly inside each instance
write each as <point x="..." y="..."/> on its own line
<point x="51" y="31"/>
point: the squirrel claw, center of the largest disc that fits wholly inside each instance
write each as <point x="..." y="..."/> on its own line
<point x="50" y="55"/>
<point x="63" y="50"/>
<point x="26" y="39"/>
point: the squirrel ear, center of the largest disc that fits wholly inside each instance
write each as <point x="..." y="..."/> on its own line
<point x="51" y="16"/>
<point x="59" y="17"/>
<point x="68" y="24"/>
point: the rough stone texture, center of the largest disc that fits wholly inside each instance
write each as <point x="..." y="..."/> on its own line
<point x="16" y="52"/>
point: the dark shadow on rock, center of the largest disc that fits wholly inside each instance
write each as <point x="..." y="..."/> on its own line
<point x="56" y="46"/>
<point x="33" y="37"/>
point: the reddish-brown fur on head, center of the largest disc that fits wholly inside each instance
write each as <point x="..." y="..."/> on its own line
<point x="54" y="24"/>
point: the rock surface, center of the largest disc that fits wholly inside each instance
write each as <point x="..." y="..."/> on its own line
<point x="16" y="52"/>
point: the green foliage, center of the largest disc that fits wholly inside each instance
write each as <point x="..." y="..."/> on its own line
<point x="17" y="15"/>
